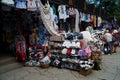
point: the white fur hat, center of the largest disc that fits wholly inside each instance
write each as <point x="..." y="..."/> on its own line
<point x="73" y="51"/>
<point x="64" y="51"/>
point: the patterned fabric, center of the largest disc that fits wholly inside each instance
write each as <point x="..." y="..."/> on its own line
<point x="62" y="12"/>
<point x="31" y="5"/>
<point x="71" y="11"/>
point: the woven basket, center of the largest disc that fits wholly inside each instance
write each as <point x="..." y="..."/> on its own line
<point x="85" y="72"/>
<point x="44" y="65"/>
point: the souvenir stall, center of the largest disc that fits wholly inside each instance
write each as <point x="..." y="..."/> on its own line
<point x="51" y="37"/>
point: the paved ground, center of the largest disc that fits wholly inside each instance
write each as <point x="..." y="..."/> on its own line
<point x="110" y="71"/>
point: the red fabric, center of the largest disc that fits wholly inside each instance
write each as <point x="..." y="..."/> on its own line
<point x="69" y="51"/>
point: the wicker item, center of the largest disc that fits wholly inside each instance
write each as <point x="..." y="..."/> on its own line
<point x="85" y="72"/>
<point x="44" y="65"/>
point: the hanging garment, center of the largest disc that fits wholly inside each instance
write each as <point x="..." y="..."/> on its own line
<point x="21" y="4"/>
<point x="99" y="21"/>
<point x="87" y="17"/>
<point x="8" y="2"/>
<point x="95" y="25"/>
<point x="54" y="9"/>
<point x="31" y="5"/>
<point x="47" y="19"/>
<point x="77" y="21"/>
<point x="38" y="4"/>
<point x="82" y="16"/>
<point x="72" y="11"/>
<point x="54" y="18"/>
<point x="41" y="35"/>
<point x="91" y="18"/>
<point x="62" y="12"/>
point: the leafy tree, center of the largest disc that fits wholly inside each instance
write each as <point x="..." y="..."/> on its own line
<point x="112" y="8"/>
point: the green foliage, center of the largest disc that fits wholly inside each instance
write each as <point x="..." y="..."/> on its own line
<point x="112" y="8"/>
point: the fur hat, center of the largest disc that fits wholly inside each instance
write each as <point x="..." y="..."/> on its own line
<point x="64" y="51"/>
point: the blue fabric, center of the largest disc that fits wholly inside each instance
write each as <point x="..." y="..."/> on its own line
<point x="41" y="35"/>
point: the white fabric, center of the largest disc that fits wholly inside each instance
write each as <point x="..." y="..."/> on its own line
<point x="115" y="31"/>
<point x="47" y="20"/>
<point x="31" y="5"/>
<point x="9" y="2"/>
<point x="62" y="12"/>
<point x="86" y="36"/>
<point x="73" y="51"/>
<point x="99" y="21"/>
<point x="90" y="29"/>
<point x="45" y="59"/>
<point x="82" y="16"/>
<point x="64" y="51"/>
<point x="77" y="21"/>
